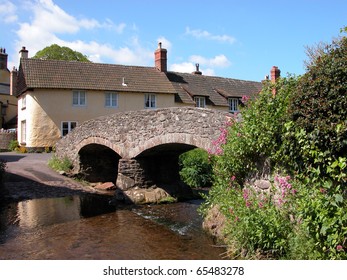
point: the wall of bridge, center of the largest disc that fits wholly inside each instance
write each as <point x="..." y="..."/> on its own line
<point x="139" y="150"/>
<point x="131" y="133"/>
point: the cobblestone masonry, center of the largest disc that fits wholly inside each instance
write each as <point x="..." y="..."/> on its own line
<point x="131" y="133"/>
<point x="5" y="139"/>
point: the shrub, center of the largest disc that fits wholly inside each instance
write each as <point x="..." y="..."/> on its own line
<point x="315" y="146"/>
<point x="301" y="131"/>
<point x="60" y="164"/>
<point x="14" y="145"/>
<point x="257" y="224"/>
<point x="195" y="168"/>
<point x="22" y="149"/>
<point x="318" y="107"/>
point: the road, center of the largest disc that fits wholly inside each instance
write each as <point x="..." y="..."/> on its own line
<point x="29" y="176"/>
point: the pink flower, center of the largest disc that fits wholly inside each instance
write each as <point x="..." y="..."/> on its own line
<point x="232" y="178"/>
<point x="339" y="248"/>
<point x="248" y="204"/>
<point x="245" y="99"/>
<point x="245" y="194"/>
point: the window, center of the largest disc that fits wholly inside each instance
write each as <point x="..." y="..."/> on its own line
<point x="233" y="105"/>
<point x="23" y="132"/>
<point x="200" y="101"/>
<point x="24" y="102"/>
<point x="111" y="99"/>
<point x="66" y="127"/>
<point x="79" y="98"/>
<point x="150" y="101"/>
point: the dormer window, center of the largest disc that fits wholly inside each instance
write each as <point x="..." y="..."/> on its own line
<point x="200" y="101"/>
<point x="233" y="104"/>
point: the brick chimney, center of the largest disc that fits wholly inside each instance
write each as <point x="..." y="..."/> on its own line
<point x="275" y="73"/>
<point x="197" y="71"/>
<point x="3" y="59"/>
<point x="24" y="53"/>
<point x="13" y="81"/>
<point x="160" y="57"/>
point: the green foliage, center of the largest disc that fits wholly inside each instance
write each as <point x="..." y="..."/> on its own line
<point x="60" y="53"/>
<point x="257" y="138"/>
<point x="195" y="168"/>
<point x="14" y="145"/>
<point x="302" y="131"/>
<point x="257" y="224"/>
<point x="60" y="164"/>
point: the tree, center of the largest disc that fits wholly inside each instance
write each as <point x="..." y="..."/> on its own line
<point x="320" y="101"/>
<point x="61" y="53"/>
<point x="196" y="170"/>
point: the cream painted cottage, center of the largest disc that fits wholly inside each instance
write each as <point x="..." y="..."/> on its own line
<point x="56" y="96"/>
<point x="8" y="102"/>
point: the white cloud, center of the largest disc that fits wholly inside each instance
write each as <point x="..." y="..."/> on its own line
<point x="48" y="22"/>
<point x="8" y="12"/>
<point x="166" y="44"/>
<point x="217" y="61"/>
<point x="190" y="67"/>
<point x="206" y="65"/>
<point x="198" y="33"/>
<point x="184" y="67"/>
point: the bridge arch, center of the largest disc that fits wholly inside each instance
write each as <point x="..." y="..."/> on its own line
<point x="139" y="145"/>
<point x="130" y="133"/>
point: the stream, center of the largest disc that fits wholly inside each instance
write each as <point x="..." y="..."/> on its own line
<point x="90" y="227"/>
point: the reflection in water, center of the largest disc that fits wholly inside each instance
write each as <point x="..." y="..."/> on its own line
<point x="89" y="228"/>
<point x="44" y="212"/>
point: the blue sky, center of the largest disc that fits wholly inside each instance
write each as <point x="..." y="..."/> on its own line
<point x="228" y="38"/>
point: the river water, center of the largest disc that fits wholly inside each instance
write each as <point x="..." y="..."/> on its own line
<point x="90" y="227"/>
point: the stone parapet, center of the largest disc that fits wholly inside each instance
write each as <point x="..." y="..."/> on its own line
<point x="131" y="133"/>
<point x="5" y="139"/>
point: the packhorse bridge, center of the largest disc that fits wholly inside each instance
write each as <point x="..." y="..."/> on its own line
<point x="139" y="150"/>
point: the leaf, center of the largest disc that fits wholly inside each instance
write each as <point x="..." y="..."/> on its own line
<point x="338" y="198"/>
<point x="323" y="230"/>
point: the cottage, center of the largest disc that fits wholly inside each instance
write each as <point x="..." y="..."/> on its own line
<point x="55" y="96"/>
<point x="8" y="103"/>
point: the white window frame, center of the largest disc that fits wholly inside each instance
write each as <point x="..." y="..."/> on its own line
<point x="23" y="131"/>
<point x="24" y="102"/>
<point x="70" y="126"/>
<point x="233" y="104"/>
<point x="200" y="101"/>
<point x="77" y="96"/>
<point x="150" y="101"/>
<point x="111" y="99"/>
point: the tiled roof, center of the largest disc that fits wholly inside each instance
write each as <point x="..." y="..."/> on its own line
<point x="217" y="89"/>
<point x="60" y="74"/>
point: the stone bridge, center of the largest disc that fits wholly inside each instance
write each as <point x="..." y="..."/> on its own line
<point x="140" y="149"/>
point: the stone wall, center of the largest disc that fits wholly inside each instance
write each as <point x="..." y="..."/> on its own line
<point x="131" y="133"/>
<point x="5" y="139"/>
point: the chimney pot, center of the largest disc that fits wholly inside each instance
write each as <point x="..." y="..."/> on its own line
<point x="24" y="53"/>
<point x="3" y="59"/>
<point x="275" y="73"/>
<point x="160" y="58"/>
<point x="197" y="71"/>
